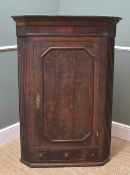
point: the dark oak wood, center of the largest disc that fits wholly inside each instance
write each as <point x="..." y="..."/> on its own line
<point x="66" y="66"/>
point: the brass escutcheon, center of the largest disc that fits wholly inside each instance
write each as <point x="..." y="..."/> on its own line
<point x="38" y="101"/>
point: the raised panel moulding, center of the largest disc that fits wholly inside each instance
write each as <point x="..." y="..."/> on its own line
<point x="68" y="92"/>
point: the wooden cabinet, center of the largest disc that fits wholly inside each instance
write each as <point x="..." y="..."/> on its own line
<point x="65" y="89"/>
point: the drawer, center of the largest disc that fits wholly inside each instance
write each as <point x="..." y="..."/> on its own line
<point x="67" y="155"/>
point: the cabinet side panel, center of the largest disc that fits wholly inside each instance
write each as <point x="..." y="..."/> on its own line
<point x="105" y="100"/>
<point x="22" y="96"/>
<point x="109" y="96"/>
<point x="102" y="96"/>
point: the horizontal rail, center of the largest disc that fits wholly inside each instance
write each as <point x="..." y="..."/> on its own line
<point x="8" y="48"/>
<point x="14" y="47"/>
<point x="122" y="48"/>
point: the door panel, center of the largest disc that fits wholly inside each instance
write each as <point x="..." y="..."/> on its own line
<point x="66" y="82"/>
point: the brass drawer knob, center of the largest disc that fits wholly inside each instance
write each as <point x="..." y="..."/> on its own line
<point x="92" y="155"/>
<point x="40" y="155"/>
<point x="66" y="155"/>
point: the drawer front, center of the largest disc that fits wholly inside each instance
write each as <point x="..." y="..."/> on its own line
<point x="67" y="155"/>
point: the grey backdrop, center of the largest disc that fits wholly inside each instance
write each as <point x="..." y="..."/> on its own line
<point x="8" y="59"/>
<point x="21" y="7"/>
<point x="121" y="99"/>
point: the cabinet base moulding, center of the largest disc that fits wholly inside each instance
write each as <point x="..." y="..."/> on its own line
<point x="81" y="164"/>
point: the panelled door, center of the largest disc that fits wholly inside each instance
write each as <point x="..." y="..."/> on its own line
<point x="64" y="80"/>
